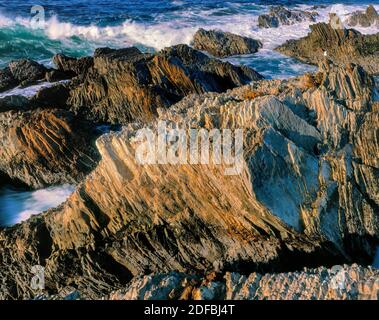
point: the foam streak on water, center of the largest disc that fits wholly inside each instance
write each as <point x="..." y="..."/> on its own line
<point x="18" y="205"/>
<point x="28" y="92"/>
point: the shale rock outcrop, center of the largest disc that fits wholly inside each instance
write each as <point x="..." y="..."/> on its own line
<point x="279" y="15"/>
<point x="364" y="19"/>
<point x="70" y="67"/>
<point x="45" y="147"/>
<point x="223" y="44"/>
<point x="306" y="193"/>
<point x="125" y="85"/>
<point x="21" y="72"/>
<point x="337" y="283"/>
<point x="339" y="45"/>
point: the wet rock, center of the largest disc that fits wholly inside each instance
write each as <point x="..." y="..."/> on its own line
<point x="125" y="85"/>
<point x="45" y="147"/>
<point x="224" y="44"/>
<point x="279" y="15"/>
<point x="119" y="54"/>
<point x="55" y="96"/>
<point x="364" y="19"/>
<point x="58" y="75"/>
<point x="342" y="46"/>
<point x="306" y="195"/>
<point x="26" y="71"/>
<point x="72" y="66"/>
<point x="14" y="102"/>
<point x="7" y="81"/>
<point x="22" y="72"/>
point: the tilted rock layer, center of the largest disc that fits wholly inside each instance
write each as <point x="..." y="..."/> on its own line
<point x="365" y="19"/>
<point x="307" y="193"/>
<point x="125" y="85"/>
<point x="21" y="72"/>
<point x="279" y="15"/>
<point x="45" y="147"/>
<point x="224" y="44"/>
<point x="337" y="283"/>
<point x="341" y="46"/>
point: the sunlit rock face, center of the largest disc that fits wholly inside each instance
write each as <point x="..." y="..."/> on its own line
<point x="339" y="44"/>
<point x="127" y="85"/>
<point x="223" y="44"/>
<point x="45" y="147"/>
<point x="307" y="192"/>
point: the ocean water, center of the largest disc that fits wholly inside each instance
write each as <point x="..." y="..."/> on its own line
<point x="17" y="205"/>
<point x="77" y="27"/>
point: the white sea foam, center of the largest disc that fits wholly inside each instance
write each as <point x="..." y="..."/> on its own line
<point x="41" y="200"/>
<point x="180" y="29"/>
<point x="27" y="92"/>
<point x="18" y="206"/>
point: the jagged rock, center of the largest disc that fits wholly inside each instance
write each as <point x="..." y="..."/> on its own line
<point x="55" y="96"/>
<point x="21" y="72"/>
<point x="72" y="66"/>
<point x="341" y="45"/>
<point x="365" y="19"/>
<point x="125" y="85"/>
<point x="119" y="54"/>
<point x="44" y="147"/>
<point x="7" y="81"/>
<point x="279" y="15"/>
<point x="58" y="75"/>
<point x="306" y="195"/>
<point x="27" y="71"/>
<point x="224" y="44"/>
<point x="337" y="283"/>
<point x="8" y="103"/>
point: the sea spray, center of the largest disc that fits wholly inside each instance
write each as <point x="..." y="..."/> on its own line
<point x="18" y="205"/>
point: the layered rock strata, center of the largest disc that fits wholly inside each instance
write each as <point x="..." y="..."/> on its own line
<point x="224" y="44"/>
<point x="45" y="147"/>
<point x="279" y="15"/>
<point x="337" y="44"/>
<point x="125" y="85"/>
<point x="306" y="193"/>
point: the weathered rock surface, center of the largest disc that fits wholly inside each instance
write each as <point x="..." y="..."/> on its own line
<point x="71" y="67"/>
<point x="279" y="15"/>
<point x="125" y="85"/>
<point x="307" y="193"/>
<point x="223" y="44"/>
<point x="55" y="96"/>
<point x="21" y="72"/>
<point x="337" y="283"/>
<point x="365" y="19"/>
<point x="26" y="71"/>
<point x="45" y="147"/>
<point x="7" y="81"/>
<point x="341" y="45"/>
<point x="15" y="102"/>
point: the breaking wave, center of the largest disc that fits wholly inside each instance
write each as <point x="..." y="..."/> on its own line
<point x="18" y="205"/>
